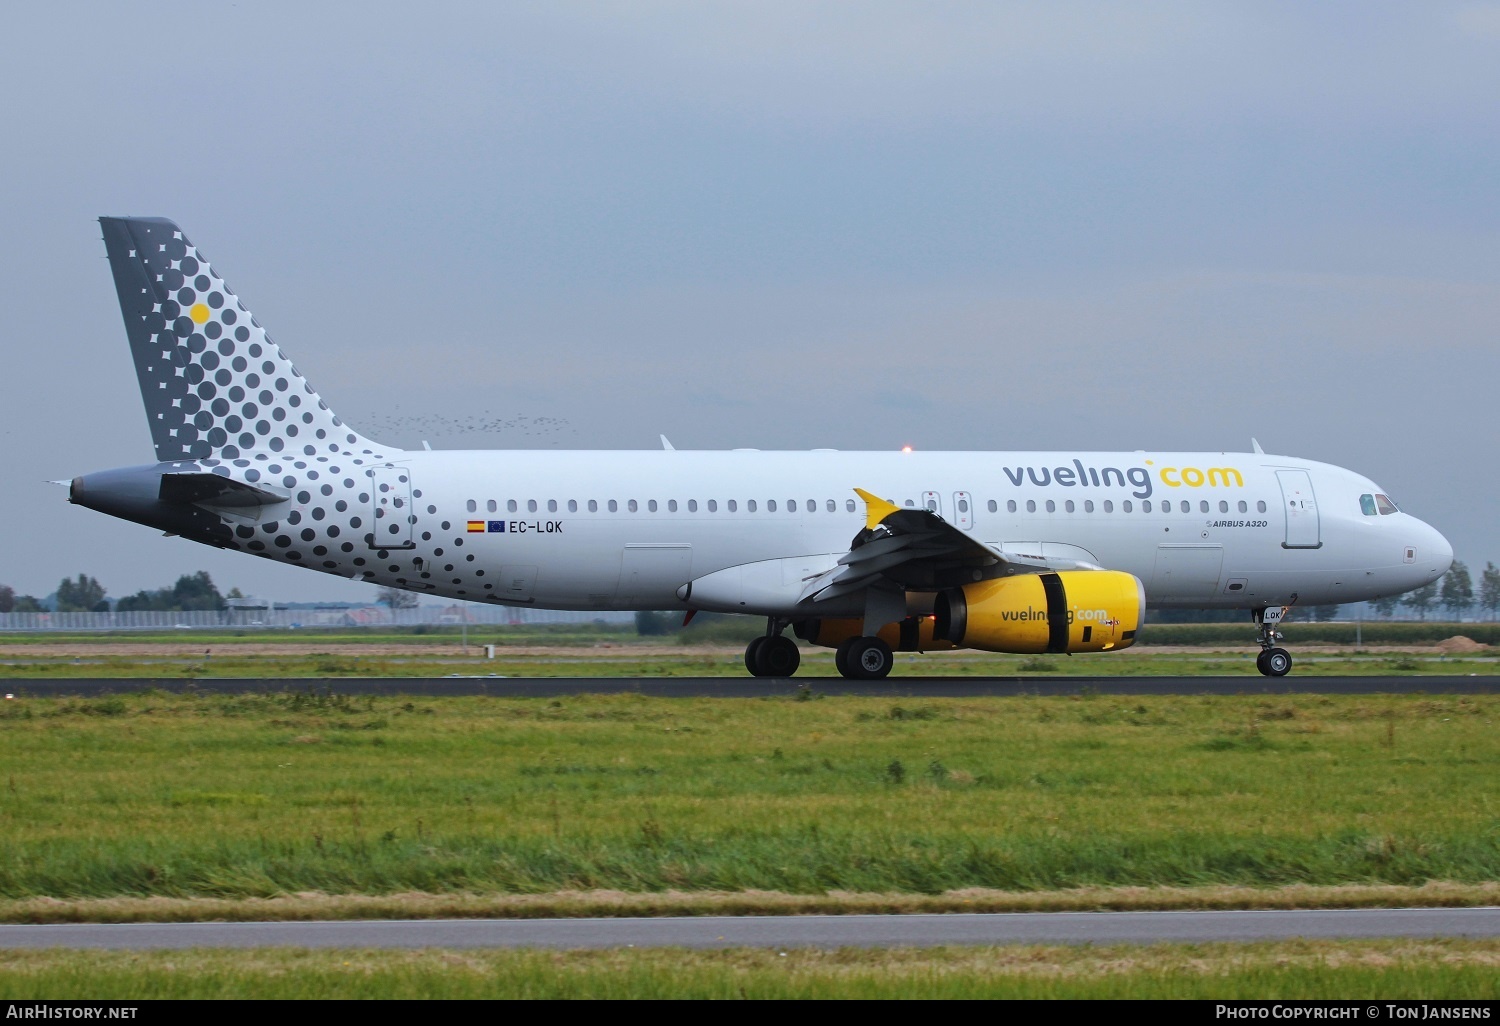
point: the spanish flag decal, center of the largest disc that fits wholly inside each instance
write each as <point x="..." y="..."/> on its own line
<point x="476" y="526"/>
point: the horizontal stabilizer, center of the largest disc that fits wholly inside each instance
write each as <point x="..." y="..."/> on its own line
<point x="214" y="490"/>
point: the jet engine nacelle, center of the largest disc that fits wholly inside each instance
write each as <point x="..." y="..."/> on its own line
<point x="1070" y="611"/>
<point x="913" y="634"/>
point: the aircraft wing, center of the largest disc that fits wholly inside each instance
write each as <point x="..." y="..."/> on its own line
<point x="914" y="549"/>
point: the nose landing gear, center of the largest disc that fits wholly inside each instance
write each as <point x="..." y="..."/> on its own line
<point x="1272" y="661"/>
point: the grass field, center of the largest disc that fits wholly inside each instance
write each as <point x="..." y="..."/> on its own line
<point x="259" y="796"/>
<point x="555" y="653"/>
<point x="1454" y="970"/>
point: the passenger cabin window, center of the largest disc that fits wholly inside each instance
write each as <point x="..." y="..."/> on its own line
<point x="963" y="505"/>
<point x="593" y="505"/>
<point x="492" y="505"/>
<point x="692" y="505"/>
<point x="551" y="505"/>
<point x="1088" y="505"/>
<point x="1126" y="507"/>
<point x="791" y="505"/>
<point x="770" y="505"/>
<point x="531" y="505"/>
<point x="849" y="505"/>
<point x="1243" y="507"/>
<point x="1223" y="506"/>
<point x="1031" y="505"/>
<point x="572" y="505"/>
<point x="1051" y="506"/>
<point x="750" y="505"/>
<point x="1187" y="507"/>
<point x="713" y="505"/>
<point x="650" y="505"/>
<point x="1387" y="507"/>
<point x="833" y="507"/>
<point x="671" y="505"/>
<point x="1145" y="506"/>
<point x="812" y="505"/>
<point x="731" y="505"/>
<point x="473" y="506"/>
<point x="511" y="505"/>
<point x="1109" y="506"/>
<point x="1010" y="505"/>
<point x="1260" y="507"/>
<point x="1068" y="506"/>
<point x="631" y="506"/>
<point x="614" y="507"/>
<point x="1367" y="505"/>
<point x="993" y="506"/>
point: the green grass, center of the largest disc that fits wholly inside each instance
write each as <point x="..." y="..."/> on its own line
<point x="1364" y="970"/>
<point x="265" y="795"/>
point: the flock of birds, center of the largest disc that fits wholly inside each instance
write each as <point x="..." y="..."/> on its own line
<point x="409" y="429"/>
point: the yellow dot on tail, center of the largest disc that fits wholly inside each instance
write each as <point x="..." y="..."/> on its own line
<point x="199" y="313"/>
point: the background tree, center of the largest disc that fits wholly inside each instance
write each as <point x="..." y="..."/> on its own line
<point x="192" y="591"/>
<point x="29" y="604"/>
<point x="1422" y="598"/>
<point x="396" y="599"/>
<point x="1489" y="589"/>
<point x="1457" y="594"/>
<point x="647" y="623"/>
<point x="1386" y="605"/>
<point x="1323" y="614"/>
<point x="85" y="593"/>
<point x="7" y="598"/>
<point x="196" y="591"/>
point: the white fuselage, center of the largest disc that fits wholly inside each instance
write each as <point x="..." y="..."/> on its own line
<point x="629" y="529"/>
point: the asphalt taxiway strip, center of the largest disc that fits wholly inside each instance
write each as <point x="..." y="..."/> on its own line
<point x="753" y="687"/>
<point x="867" y="931"/>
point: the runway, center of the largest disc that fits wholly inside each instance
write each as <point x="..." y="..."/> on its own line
<point x="864" y="931"/>
<point x="760" y="687"/>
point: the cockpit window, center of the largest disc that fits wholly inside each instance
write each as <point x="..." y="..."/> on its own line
<point x="1367" y="504"/>
<point x="1386" y="506"/>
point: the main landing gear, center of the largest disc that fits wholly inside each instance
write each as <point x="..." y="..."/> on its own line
<point x="863" y="658"/>
<point x="773" y="654"/>
<point x="1272" y="661"/>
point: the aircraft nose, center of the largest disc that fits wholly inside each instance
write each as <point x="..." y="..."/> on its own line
<point x="1442" y="550"/>
<point x="1434" y="552"/>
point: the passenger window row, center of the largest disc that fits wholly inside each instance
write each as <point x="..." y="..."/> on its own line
<point x="1126" y="506"/>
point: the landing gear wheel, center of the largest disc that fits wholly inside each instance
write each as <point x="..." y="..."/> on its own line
<point x="752" y="654"/>
<point x="868" y="659"/>
<point x="841" y="657"/>
<point x="1260" y="664"/>
<point x="777" y="657"/>
<point x="1278" y="662"/>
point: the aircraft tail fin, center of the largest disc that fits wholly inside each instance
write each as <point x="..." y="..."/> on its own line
<point x="214" y="384"/>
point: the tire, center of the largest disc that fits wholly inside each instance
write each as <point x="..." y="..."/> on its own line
<point x="778" y="657"/>
<point x="841" y="657"/>
<point x="869" y="659"/>
<point x="1278" y="662"/>
<point x="1260" y="664"/>
<point x="752" y="656"/>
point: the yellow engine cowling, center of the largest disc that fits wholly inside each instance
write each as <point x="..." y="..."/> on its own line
<point x="1070" y="611"/>
<point x="913" y="634"/>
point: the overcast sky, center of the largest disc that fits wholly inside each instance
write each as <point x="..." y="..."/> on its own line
<point x="783" y="225"/>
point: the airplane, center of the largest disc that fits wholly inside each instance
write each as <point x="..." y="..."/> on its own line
<point x="868" y="553"/>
